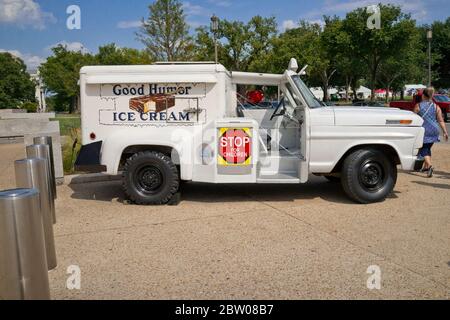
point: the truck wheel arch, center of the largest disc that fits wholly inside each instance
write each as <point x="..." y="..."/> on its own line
<point x="386" y="148"/>
<point x="169" y="151"/>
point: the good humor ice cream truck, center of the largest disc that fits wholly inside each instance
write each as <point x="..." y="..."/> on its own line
<point x="166" y="123"/>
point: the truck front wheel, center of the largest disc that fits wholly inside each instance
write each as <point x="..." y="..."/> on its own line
<point x="368" y="176"/>
<point x="150" y="178"/>
<point x="445" y="115"/>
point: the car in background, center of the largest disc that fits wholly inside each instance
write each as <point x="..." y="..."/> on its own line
<point x="368" y="104"/>
<point x="441" y="100"/>
<point x="328" y="103"/>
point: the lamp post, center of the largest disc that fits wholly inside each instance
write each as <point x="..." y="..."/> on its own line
<point x="429" y="38"/>
<point x="214" y="29"/>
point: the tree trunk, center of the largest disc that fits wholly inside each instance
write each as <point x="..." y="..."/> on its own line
<point x="347" y="87"/>
<point x="325" y="86"/>
<point x="373" y="82"/>
<point x="354" y="83"/>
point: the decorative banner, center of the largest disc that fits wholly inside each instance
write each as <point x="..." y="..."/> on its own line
<point x="149" y="104"/>
<point x="235" y="147"/>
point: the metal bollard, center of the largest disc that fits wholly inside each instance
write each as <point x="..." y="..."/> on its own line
<point x="42" y="151"/>
<point x="23" y="266"/>
<point x="48" y="141"/>
<point x="32" y="173"/>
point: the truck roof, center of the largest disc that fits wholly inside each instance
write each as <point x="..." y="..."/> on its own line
<point x="172" y="67"/>
<point x="166" y="73"/>
<point x="172" y="72"/>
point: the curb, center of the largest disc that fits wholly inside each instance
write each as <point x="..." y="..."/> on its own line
<point x="90" y="178"/>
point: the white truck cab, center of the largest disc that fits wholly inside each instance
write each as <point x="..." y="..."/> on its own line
<point x="170" y="122"/>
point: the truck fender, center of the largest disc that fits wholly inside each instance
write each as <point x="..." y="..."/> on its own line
<point x="119" y="141"/>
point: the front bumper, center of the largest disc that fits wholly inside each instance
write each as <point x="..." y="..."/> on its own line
<point x="88" y="159"/>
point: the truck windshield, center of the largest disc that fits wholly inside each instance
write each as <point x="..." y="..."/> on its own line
<point x="306" y="93"/>
<point x="442" y="98"/>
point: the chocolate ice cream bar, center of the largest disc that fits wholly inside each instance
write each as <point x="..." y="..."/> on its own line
<point x="152" y="103"/>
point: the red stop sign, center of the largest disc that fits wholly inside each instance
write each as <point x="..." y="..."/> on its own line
<point x="235" y="146"/>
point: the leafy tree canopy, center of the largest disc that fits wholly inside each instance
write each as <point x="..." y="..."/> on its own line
<point x="16" y="86"/>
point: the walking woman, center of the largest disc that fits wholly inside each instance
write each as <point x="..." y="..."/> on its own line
<point x="432" y="116"/>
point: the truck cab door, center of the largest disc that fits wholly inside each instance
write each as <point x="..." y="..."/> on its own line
<point x="301" y="113"/>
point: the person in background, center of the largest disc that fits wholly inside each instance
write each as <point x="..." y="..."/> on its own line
<point x="433" y="119"/>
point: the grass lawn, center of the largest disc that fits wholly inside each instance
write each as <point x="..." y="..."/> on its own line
<point x="70" y="127"/>
<point x="67" y="122"/>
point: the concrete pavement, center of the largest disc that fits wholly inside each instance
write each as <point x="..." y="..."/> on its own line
<point x="254" y="242"/>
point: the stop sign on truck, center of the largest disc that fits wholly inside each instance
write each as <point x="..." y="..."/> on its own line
<point x="235" y="145"/>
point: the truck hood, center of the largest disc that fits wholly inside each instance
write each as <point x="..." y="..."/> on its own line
<point x="374" y="116"/>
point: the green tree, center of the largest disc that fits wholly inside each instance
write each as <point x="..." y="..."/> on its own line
<point x="241" y="45"/>
<point x="349" y="68"/>
<point x="16" y="86"/>
<point x="440" y="52"/>
<point x="305" y="43"/>
<point x="165" y="32"/>
<point x="403" y="67"/>
<point x="204" y="47"/>
<point x="376" y="46"/>
<point x="110" y="54"/>
<point x="60" y="74"/>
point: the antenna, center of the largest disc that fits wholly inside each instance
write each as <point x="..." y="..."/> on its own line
<point x="303" y="71"/>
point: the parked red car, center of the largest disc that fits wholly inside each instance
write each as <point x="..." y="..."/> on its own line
<point x="441" y="100"/>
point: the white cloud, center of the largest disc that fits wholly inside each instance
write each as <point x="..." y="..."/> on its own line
<point x="32" y="62"/>
<point x="417" y="8"/>
<point x="317" y="21"/>
<point x="70" y="46"/>
<point x="220" y="3"/>
<point x="288" y="24"/>
<point x="194" y="24"/>
<point x="195" y="10"/>
<point x="24" y="13"/>
<point x="129" y="24"/>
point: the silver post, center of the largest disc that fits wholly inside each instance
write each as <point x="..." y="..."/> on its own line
<point x="43" y="151"/>
<point x="48" y="141"/>
<point x="429" y="38"/>
<point x="215" y="29"/>
<point x="23" y="266"/>
<point x="32" y="173"/>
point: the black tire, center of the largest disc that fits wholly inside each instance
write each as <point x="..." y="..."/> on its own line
<point x="150" y="178"/>
<point x="333" y="179"/>
<point x="368" y="176"/>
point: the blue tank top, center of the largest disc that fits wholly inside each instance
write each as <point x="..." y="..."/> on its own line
<point x="429" y="114"/>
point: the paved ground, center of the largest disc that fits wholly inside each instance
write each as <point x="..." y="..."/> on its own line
<point x="256" y="242"/>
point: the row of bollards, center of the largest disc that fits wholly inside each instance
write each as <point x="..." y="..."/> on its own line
<point x="27" y="216"/>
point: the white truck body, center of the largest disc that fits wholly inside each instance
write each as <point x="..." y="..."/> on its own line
<point x="188" y="108"/>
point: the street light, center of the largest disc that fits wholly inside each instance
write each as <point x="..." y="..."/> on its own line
<point x="429" y="38"/>
<point x="214" y="29"/>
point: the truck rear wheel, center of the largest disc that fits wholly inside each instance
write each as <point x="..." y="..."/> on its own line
<point x="150" y="178"/>
<point x="368" y="176"/>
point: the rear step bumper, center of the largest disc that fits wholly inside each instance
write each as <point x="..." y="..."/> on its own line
<point x="88" y="159"/>
<point x="418" y="165"/>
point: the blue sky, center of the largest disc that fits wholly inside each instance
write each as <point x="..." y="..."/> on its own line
<point x="29" y="28"/>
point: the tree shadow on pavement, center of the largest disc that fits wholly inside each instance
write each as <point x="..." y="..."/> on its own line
<point x="433" y="185"/>
<point x="316" y="188"/>
<point x="442" y="175"/>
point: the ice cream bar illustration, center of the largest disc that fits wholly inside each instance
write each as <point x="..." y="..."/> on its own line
<point x="152" y="103"/>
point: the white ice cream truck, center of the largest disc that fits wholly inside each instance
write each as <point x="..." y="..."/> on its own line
<point x="166" y="123"/>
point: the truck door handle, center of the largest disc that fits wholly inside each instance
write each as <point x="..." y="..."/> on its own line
<point x="193" y="110"/>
